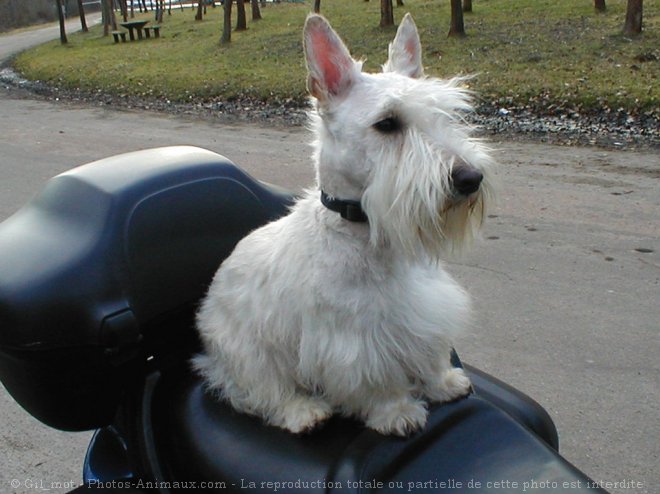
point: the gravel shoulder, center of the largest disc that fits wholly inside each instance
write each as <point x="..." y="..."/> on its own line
<point x="605" y="129"/>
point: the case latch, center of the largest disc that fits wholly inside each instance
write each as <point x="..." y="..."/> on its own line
<point x="120" y="335"/>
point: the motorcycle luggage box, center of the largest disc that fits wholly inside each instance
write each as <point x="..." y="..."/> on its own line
<point x="107" y="250"/>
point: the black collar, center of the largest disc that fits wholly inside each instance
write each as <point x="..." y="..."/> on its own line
<point x="349" y="210"/>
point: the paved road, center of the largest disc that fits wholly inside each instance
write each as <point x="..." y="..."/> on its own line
<point x="12" y="43"/>
<point x="566" y="293"/>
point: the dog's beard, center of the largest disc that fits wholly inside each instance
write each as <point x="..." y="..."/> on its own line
<point x="413" y="208"/>
<point x="462" y="219"/>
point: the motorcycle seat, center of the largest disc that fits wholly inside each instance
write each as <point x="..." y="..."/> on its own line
<point x="466" y="445"/>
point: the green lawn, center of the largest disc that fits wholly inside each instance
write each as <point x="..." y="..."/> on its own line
<point x="543" y="53"/>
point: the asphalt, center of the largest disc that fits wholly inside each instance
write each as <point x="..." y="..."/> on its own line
<point x="565" y="281"/>
<point x="14" y="42"/>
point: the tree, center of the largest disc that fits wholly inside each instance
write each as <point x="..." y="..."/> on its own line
<point x="226" y="28"/>
<point x="160" y="7"/>
<point x="467" y="5"/>
<point x="109" y="19"/>
<point x="317" y="6"/>
<point x="633" y="25"/>
<point x="386" y="13"/>
<point x="60" y="15"/>
<point x="256" y="12"/>
<point x="199" y="14"/>
<point x="123" y="8"/>
<point x="81" y="12"/>
<point x="241" y="20"/>
<point x="599" y="5"/>
<point x="456" y="28"/>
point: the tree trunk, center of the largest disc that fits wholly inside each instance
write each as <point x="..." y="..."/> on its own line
<point x="256" y="12"/>
<point x="113" y="17"/>
<point x="60" y="15"/>
<point x="83" y="22"/>
<point x="241" y="20"/>
<point x="456" y="27"/>
<point x="317" y="6"/>
<point x="467" y="5"/>
<point x="198" y="16"/>
<point x="123" y="8"/>
<point x="386" y="13"/>
<point x="105" y="17"/>
<point x="226" y="29"/>
<point x="633" y="25"/>
<point x="109" y="19"/>
<point x="599" y="5"/>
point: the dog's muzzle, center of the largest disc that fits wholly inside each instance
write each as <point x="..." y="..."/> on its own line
<point x="466" y="180"/>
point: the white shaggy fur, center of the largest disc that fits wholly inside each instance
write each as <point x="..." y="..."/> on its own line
<point x="314" y="314"/>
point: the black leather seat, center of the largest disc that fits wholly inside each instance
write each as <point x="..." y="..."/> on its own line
<point x="466" y="446"/>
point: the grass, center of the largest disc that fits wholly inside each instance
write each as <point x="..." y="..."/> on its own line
<point x="545" y="54"/>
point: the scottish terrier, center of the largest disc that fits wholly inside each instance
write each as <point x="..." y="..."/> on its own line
<point x="343" y="306"/>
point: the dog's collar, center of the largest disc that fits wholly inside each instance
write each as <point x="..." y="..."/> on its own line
<point x="349" y="210"/>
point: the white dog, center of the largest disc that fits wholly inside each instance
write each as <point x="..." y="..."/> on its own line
<point x="343" y="305"/>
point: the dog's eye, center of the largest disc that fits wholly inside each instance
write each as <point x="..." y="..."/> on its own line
<point x="388" y="125"/>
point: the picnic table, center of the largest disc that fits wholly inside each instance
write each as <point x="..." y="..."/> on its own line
<point x="134" y="25"/>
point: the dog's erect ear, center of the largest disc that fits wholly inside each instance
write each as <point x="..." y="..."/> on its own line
<point x="405" y="53"/>
<point x="330" y="66"/>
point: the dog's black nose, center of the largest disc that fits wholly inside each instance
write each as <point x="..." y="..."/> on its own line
<point x="466" y="180"/>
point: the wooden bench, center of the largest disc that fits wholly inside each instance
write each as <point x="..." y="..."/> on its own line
<point x="156" y="29"/>
<point x="119" y="34"/>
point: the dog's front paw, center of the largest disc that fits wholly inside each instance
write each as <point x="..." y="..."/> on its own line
<point x="302" y="414"/>
<point x="400" y="417"/>
<point x="457" y="383"/>
<point x="452" y="385"/>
